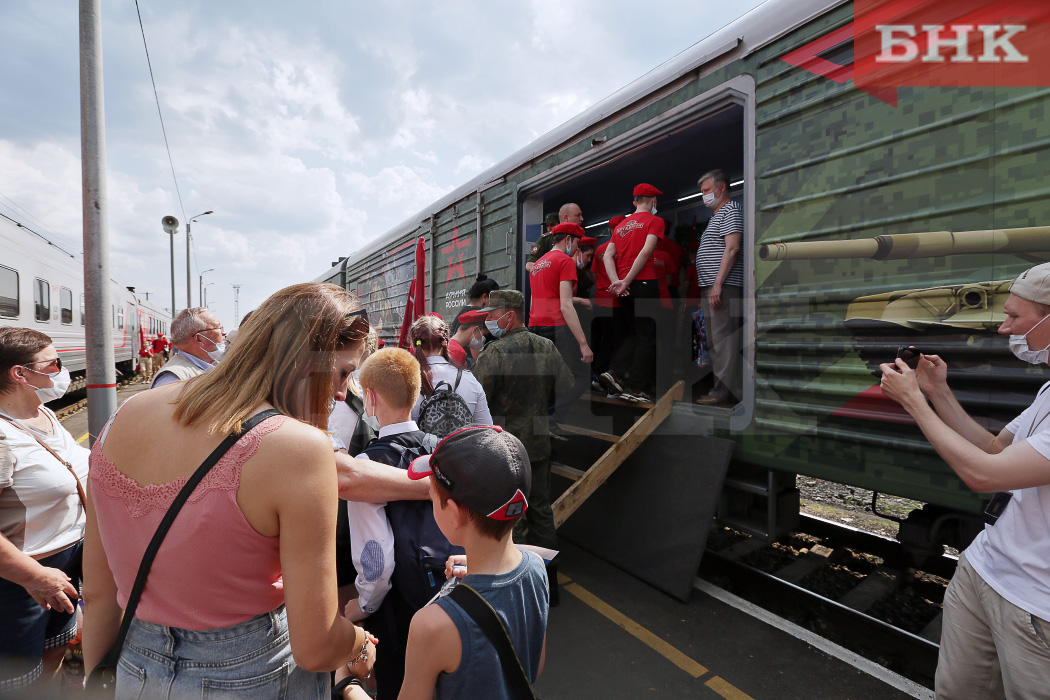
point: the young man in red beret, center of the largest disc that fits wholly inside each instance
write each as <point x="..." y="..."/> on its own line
<point x="553" y="315"/>
<point x="629" y="263"/>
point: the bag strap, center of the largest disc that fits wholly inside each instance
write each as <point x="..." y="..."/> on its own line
<point x="459" y="376"/>
<point x="165" y="524"/>
<point x="490" y="623"/>
<point x="64" y="463"/>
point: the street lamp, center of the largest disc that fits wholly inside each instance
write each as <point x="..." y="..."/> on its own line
<point x="204" y="300"/>
<point x="200" y="295"/>
<point x="171" y="225"/>
<point x="189" y="289"/>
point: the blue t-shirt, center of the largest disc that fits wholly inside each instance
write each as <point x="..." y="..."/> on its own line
<point x="520" y="599"/>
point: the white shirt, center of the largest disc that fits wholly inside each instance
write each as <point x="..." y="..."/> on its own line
<point x="167" y="377"/>
<point x="372" y="540"/>
<point x="40" y="510"/>
<point x="469" y="388"/>
<point x="341" y="425"/>
<point x="1013" y="556"/>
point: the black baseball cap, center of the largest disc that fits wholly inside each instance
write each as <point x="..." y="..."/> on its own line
<point x="484" y="468"/>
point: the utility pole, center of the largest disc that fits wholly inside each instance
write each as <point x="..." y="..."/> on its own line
<point x="236" y="305"/>
<point x="189" y="284"/>
<point x="101" y="370"/>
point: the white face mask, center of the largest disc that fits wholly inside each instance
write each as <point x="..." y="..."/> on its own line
<point x="59" y="385"/>
<point x="710" y="200"/>
<point x="370" y="420"/>
<point x="218" y="352"/>
<point x="653" y="211"/>
<point x="1019" y="347"/>
<point x="476" y="343"/>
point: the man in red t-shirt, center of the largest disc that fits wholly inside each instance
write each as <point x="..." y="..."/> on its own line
<point x="629" y="264"/>
<point x="552" y="314"/>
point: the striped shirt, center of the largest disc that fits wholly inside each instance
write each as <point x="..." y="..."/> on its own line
<point x="728" y="219"/>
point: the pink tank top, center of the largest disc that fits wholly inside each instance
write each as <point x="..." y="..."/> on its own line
<point x="213" y="569"/>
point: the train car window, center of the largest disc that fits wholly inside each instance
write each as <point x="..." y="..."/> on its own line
<point x="42" y="300"/>
<point x="66" y="304"/>
<point x="8" y="293"/>
<point x="120" y="319"/>
<point x="83" y="306"/>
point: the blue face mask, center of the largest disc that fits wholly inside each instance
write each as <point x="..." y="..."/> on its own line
<point x="493" y="327"/>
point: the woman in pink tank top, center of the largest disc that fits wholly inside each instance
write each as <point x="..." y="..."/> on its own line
<point x="241" y="599"/>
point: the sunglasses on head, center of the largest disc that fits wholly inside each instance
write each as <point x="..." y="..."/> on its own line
<point x="359" y="322"/>
<point x="57" y="362"/>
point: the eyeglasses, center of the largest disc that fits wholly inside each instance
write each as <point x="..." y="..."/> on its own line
<point x="213" y="328"/>
<point x="57" y="362"/>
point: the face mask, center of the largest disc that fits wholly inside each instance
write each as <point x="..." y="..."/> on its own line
<point x="218" y="352"/>
<point x="59" y="381"/>
<point x="371" y="421"/>
<point x="493" y="327"/>
<point x="580" y="264"/>
<point x="476" y="343"/>
<point x="1019" y="347"/>
<point x="653" y="211"/>
<point x="710" y="200"/>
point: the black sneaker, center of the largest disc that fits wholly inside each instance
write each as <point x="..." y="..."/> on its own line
<point x="611" y="384"/>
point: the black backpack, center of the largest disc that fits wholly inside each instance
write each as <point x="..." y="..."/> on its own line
<point x="420" y="548"/>
<point x="444" y="411"/>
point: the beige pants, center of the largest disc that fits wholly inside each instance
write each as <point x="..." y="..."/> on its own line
<point x="725" y="341"/>
<point x="146" y="366"/>
<point x="990" y="648"/>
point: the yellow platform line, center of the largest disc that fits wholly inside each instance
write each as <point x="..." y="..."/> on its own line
<point x="645" y="636"/>
<point x="83" y="437"/>
<point x="727" y="689"/>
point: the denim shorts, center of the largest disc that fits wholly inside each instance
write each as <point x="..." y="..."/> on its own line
<point x="28" y="630"/>
<point x="252" y="659"/>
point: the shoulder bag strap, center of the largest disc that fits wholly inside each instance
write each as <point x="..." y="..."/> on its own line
<point x="165" y="524"/>
<point x="67" y="465"/>
<point x="490" y="623"/>
<point x="459" y="376"/>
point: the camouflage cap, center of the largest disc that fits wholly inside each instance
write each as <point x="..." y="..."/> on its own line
<point x="505" y="299"/>
<point x="551" y="218"/>
<point x="1033" y="284"/>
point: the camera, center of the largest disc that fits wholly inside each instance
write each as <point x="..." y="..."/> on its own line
<point x="910" y="355"/>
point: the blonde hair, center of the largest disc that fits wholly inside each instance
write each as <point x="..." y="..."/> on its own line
<point x="284" y="355"/>
<point x="427" y="335"/>
<point x="393" y="374"/>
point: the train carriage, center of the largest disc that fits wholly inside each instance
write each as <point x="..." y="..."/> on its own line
<point x="874" y="218"/>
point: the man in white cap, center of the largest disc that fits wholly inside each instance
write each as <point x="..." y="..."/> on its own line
<point x="994" y="639"/>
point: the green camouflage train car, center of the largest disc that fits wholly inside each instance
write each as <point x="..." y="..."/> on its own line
<point x="875" y="216"/>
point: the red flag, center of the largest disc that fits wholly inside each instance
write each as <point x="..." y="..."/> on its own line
<point x="414" y="304"/>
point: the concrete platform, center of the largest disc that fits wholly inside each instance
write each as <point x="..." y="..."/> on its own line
<point x="616" y="637"/>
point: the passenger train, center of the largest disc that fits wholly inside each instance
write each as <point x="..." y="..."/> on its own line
<point x="42" y="287"/>
<point x="876" y="215"/>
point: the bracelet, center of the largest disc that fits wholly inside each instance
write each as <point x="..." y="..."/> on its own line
<point x="361" y="656"/>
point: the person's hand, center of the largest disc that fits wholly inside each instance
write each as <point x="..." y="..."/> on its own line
<point x="618" y="288"/>
<point x="586" y="356"/>
<point x="931" y="373"/>
<point x="52" y="590"/>
<point x="900" y="384"/>
<point x="584" y="304"/>
<point x="714" y="296"/>
<point x="363" y="668"/>
<point x="456" y="566"/>
<point x="353" y="611"/>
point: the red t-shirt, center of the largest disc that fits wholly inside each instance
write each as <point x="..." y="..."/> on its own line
<point x="602" y="297"/>
<point x="629" y="238"/>
<point x="457" y="352"/>
<point x="661" y="261"/>
<point x="547" y="275"/>
<point x="159" y="344"/>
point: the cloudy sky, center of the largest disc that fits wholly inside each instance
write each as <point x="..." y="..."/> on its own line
<point x="309" y="128"/>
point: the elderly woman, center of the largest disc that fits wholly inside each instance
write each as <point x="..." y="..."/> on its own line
<point x="42" y="516"/>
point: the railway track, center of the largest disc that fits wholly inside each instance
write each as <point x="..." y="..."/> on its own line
<point x="847" y="585"/>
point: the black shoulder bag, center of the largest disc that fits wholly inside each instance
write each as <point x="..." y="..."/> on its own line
<point x="102" y="683"/>
<point x="490" y="623"/>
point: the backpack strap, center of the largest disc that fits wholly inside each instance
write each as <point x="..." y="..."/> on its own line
<point x="459" y="376"/>
<point x="492" y="625"/>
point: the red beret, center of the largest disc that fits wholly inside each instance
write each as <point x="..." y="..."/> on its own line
<point x="468" y="318"/>
<point x="616" y="221"/>
<point x="380" y="344"/>
<point x="644" y="190"/>
<point x="588" y="241"/>
<point x="436" y="314"/>
<point x="569" y="228"/>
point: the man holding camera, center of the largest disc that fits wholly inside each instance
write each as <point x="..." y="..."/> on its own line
<point x="994" y="639"/>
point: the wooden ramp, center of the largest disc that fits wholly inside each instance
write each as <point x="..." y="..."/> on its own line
<point x="586" y="482"/>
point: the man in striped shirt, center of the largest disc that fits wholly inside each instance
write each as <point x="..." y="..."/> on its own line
<point x="720" y="274"/>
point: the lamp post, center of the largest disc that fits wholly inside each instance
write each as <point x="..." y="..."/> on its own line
<point x="189" y="289"/>
<point x="200" y="295"/>
<point x="204" y="299"/>
<point x="171" y="225"/>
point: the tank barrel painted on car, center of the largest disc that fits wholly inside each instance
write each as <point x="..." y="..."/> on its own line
<point x="902" y="246"/>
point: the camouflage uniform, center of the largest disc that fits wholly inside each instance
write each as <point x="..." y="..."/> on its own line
<point x="518" y="373"/>
<point x="541" y="247"/>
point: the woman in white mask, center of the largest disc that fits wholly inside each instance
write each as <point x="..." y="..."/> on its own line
<point x="42" y="517"/>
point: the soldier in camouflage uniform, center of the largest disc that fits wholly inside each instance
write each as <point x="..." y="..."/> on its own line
<point x="518" y="371"/>
<point x="569" y="213"/>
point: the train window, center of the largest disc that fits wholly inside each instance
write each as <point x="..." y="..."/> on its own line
<point x="120" y="318"/>
<point x="42" y="300"/>
<point x="66" y="304"/>
<point x="83" y="307"/>
<point x="8" y="293"/>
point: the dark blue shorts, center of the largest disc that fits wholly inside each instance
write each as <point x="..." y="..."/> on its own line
<point x="28" y="630"/>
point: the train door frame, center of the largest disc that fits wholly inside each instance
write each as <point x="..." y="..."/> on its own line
<point x="738" y="91"/>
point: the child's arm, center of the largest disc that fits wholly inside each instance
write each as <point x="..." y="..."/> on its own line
<point x="372" y="548"/>
<point x="433" y="646"/>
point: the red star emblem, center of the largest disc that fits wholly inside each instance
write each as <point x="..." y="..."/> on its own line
<point x="454" y="245"/>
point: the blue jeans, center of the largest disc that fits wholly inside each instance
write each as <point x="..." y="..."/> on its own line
<point x="250" y="660"/>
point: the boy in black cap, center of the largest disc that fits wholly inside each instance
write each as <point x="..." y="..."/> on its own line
<point x="479" y="486"/>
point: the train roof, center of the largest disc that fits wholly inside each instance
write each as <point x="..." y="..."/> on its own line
<point x="759" y="27"/>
